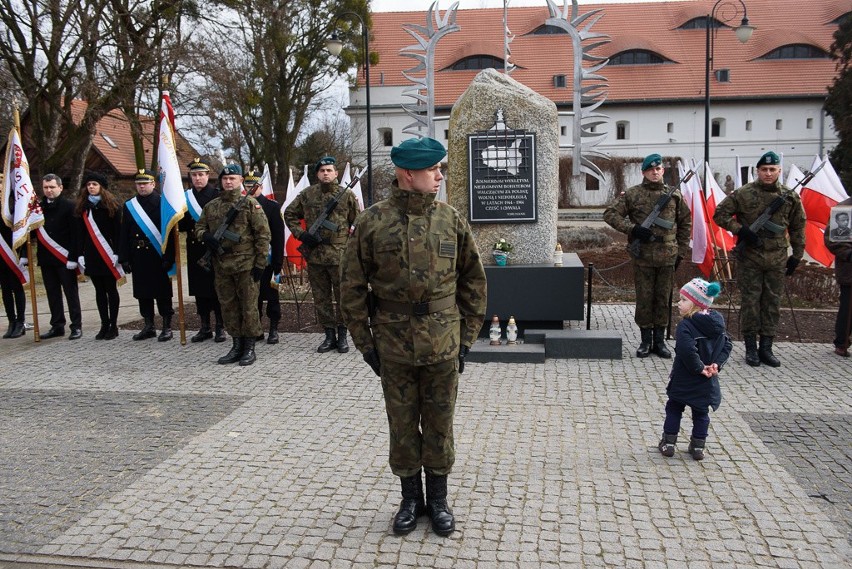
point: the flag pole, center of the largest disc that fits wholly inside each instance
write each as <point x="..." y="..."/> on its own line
<point x="179" y="274"/>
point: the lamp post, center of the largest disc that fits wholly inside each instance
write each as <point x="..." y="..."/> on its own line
<point x="743" y="32"/>
<point x="334" y="46"/>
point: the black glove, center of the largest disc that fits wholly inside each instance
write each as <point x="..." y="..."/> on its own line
<point x="372" y="358"/>
<point x="643" y="234"/>
<point x="128" y="268"/>
<point x="792" y="263"/>
<point x="256" y="274"/>
<point x="310" y="239"/>
<point x="678" y="259"/>
<point x="276" y="269"/>
<point x="463" y="350"/>
<point x="750" y="237"/>
<point x="210" y="241"/>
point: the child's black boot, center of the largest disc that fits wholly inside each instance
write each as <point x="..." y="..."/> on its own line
<point x="667" y="444"/>
<point x="696" y="448"/>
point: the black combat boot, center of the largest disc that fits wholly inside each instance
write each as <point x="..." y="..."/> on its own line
<point x="18" y="329"/>
<point x="8" y="333"/>
<point x="205" y="333"/>
<point x="660" y="347"/>
<point x="146" y="332"/>
<point x="412" y="505"/>
<point x="764" y="352"/>
<point x="751" y="356"/>
<point x="219" y="331"/>
<point x="644" y="349"/>
<point x="235" y="354"/>
<point x="103" y="331"/>
<point x="248" y="357"/>
<point x="667" y="444"/>
<point x="342" y="345"/>
<point x="443" y="522"/>
<point x="272" y="338"/>
<point x="696" y="448"/>
<point x="166" y="334"/>
<point x="329" y="343"/>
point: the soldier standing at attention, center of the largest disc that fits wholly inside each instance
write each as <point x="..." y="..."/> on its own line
<point x="763" y="261"/>
<point x="418" y="257"/>
<point x="140" y="252"/>
<point x="239" y="267"/>
<point x="57" y="256"/>
<point x="274" y="261"/>
<point x="662" y="247"/>
<point x="201" y="192"/>
<point x="324" y="259"/>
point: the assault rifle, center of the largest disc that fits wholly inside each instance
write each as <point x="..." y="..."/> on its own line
<point x="222" y="233"/>
<point x="634" y="246"/>
<point x="770" y="210"/>
<point x="322" y="222"/>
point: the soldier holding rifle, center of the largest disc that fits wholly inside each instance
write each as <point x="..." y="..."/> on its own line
<point x="767" y="218"/>
<point x="658" y="224"/>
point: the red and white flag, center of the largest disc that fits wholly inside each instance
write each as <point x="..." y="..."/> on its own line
<point x="703" y="253"/>
<point x="266" y="183"/>
<point x="721" y="238"/>
<point x="291" y="244"/>
<point x="818" y="197"/>
<point x="21" y="209"/>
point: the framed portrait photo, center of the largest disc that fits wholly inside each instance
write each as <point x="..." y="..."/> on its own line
<point x="840" y="224"/>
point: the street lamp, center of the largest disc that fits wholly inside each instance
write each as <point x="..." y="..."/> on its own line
<point x="743" y="32"/>
<point x="334" y="46"/>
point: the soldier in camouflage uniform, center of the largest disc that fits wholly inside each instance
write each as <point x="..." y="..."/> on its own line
<point x="418" y="257"/>
<point x="662" y="247"/>
<point x="324" y="259"/>
<point x="763" y="261"/>
<point x="239" y="268"/>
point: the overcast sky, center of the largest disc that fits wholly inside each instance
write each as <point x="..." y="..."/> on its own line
<point x="423" y="5"/>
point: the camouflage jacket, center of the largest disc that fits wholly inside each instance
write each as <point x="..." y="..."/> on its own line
<point x="745" y="204"/>
<point x="407" y="249"/>
<point x="309" y="205"/>
<point x="632" y="208"/>
<point x="250" y="224"/>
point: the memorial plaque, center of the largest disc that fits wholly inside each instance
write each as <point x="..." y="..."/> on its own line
<point x="502" y="175"/>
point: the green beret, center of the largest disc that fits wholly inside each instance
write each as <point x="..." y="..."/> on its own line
<point x="198" y="165"/>
<point x="251" y="179"/>
<point x="144" y="176"/>
<point x="652" y="161"/>
<point x="769" y="159"/>
<point x="231" y="170"/>
<point x="325" y="161"/>
<point x="418" y="153"/>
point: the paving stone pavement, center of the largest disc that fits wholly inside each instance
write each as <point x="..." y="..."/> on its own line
<point x="129" y="454"/>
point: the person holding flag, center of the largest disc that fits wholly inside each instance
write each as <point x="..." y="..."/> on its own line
<point x="201" y="192"/>
<point x="140" y="251"/>
<point x="13" y="276"/>
<point x="98" y="229"/>
<point x="763" y="262"/>
<point x="57" y="256"/>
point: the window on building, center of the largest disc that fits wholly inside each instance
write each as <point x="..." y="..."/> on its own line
<point x="723" y="75"/>
<point x="809" y="123"/>
<point x="592" y="184"/>
<point x="477" y="63"/>
<point x="637" y="57"/>
<point x="109" y="141"/>
<point x="563" y="130"/>
<point x="748" y="125"/>
<point x="796" y="51"/>
<point x="386" y="135"/>
<point x="622" y="130"/>
<point x="840" y="20"/>
<point x="545" y="30"/>
<point x="717" y="128"/>
<point x="779" y="124"/>
<point x="446" y="134"/>
<point x="700" y="23"/>
<point x="670" y="127"/>
<point x="559" y="81"/>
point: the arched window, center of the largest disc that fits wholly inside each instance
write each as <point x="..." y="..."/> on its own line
<point x="386" y="136"/>
<point x="700" y="23"/>
<point x="796" y="51"/>
<point x="637" y="57"/>
<point x="717" y="128"/>
<point x="841" y="19"/>
<point x="477" y="63"/>
<point x="622" y="130"/>
<point x="546" y="30"/>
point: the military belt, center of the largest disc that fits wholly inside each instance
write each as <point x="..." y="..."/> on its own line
<point x="417" y="308"/>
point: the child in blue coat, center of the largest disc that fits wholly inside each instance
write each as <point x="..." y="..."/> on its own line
<point x="702" y="347"/>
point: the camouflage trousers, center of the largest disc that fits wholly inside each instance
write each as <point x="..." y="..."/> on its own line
<point x="761" y="286"/>
<point x="420" y="402"/>
<point x="237" y="294"/>
<point x="653" y="288"/>
<point x="325" y="286"/>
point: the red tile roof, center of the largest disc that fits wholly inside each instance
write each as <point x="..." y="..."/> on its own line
<point x="650" y="26"/>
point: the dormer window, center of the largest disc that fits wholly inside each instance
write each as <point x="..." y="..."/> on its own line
<point x="700" y="23"/>
<point x="637" y="57"/>
<point x="477" y="63"/>
<point x="547" y="30"/>
<point x="796" y="51"/>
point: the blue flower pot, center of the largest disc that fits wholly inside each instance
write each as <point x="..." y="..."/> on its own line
<point x="501" y="259"/>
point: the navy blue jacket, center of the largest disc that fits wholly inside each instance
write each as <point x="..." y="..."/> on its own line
<point x="699" y="340"/>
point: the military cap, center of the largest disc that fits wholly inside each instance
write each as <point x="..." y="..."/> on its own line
<point x="325" y="161"/>
<point x="231" y="170"/>
<point x="96" y="177"/>
<point x="251" y="179"/>
<point x="652" y="161"/>
<point x="769" y="159"/>
<point x="418" y="153"/>
<point x="198" y="165"/>
<point x="143" y="176"/>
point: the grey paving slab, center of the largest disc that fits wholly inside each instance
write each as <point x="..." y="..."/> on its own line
<point x="283" y="464"/>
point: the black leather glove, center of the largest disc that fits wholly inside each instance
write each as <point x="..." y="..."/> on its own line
<point x="678" y="260"/>
<point x="643" y="234"/>
<point x="309" y="239"/>
<point x="792" y="263"/>
<point x="210" y="241"/>
<point x="256" y="274"/>
<point x="128" y="268"/>
<point x="750" y="237"/>
<point x="463" y="350"/>
<point x="372" y="358"/>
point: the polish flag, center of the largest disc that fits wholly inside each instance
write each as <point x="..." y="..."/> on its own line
<point x="703" y="253"/>
<point x="722" y="238"/>
<point x="291" y="244"/>
<point x="818" y="197"/>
